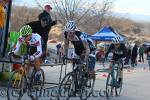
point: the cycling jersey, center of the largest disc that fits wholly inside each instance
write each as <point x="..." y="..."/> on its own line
<point x="78" y="45"/>
<point x="35" y="41"/>
<point x="118" y="53"/>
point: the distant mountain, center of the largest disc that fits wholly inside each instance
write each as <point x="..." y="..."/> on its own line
<point x="138" y="17"/>
<point x="135" y="17"/>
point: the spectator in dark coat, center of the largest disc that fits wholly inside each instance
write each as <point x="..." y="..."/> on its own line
<point x="141" y="53"/>
<point x="128" y="55"/>
<point x="42" y="27"/>
<point x="148" y="52"/>
<point x="134" y="54"/>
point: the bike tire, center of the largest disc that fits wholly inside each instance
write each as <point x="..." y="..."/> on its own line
<point x="34" y="84"/>
<point x="118" y="89"/>
<point x="67" y="87"/>
<point x="87" y="85"/>
<point x="88" y="82"/>
<point x="16" y="86"/>
<point x="109" y="86"/>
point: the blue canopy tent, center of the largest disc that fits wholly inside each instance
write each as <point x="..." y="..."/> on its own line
<point x="105" y="34"/>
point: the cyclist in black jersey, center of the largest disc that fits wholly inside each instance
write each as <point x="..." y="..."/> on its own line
<point x="80" y="43"/>
<point x="117" y="48"/>
<point x="119" y="51"/>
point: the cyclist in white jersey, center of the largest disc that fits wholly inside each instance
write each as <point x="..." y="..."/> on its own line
<point x="33" y="43"/>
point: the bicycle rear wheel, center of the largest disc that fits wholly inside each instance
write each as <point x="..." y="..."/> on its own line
<point x="16" y="86"/>
<point x="67" y="87"/>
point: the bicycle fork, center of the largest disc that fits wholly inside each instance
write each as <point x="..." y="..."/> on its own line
<point x="112" y="73"/>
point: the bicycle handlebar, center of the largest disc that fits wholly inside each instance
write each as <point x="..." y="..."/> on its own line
<point x="21" y="59"/>
<point x="76" y="60"/>
<point x="114" y="61"/>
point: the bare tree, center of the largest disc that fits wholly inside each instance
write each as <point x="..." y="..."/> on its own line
<point x="21" y="16"/>
<point x="72" y="9"/>
<point x="102" y="11"/>
<point x="92" y="12"/>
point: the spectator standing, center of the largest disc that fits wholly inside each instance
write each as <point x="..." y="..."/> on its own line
<point x="148" y="52"/>
<point x="141" y="53"/>
<point x="42" y="27"/>
<point x="58" y="46"/>
<point x="128" y="55"/>
<point x="134" y="54"/>
<point x="100" y="54"/>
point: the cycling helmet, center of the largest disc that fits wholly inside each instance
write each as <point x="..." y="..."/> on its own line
<point x="70" y="26"/>
<point x="26" y="30"/>
<point x="116" y="40"/>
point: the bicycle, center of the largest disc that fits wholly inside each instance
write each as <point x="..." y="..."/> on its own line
<point x="19" y="83"/>
<point x="79" y="82"/>
<point x="113" y="78"/>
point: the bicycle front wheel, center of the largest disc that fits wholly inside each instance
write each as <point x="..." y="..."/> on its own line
<point x="37" y="80"/>
<point x="16" y="86"/>
<point x="118" y="88"/>
<point x="109" y="86"/>
<point x="87" y="86"/>
<point x="67" y="87"/>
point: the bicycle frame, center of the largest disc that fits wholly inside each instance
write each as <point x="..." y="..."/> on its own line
<point x="78" y="81"/>
<point x="113" y="78"/>
<point x="115" y="66"/>
<point x="75" y="69"/>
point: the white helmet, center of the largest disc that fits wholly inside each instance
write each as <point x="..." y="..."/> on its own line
<point x="70" y="26"/>
<point x="116" y="40"/>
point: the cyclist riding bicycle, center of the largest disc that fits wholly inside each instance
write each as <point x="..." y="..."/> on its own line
<point x="34" y="46"/>
<point x="81" y="44"/>
<point x="119" y="51"/>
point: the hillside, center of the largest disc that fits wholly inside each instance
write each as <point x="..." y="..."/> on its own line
<point x="133" y="30"/>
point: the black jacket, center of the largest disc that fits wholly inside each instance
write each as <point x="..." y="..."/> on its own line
<point x="134" y="52"/>
<point x="42" y="31"/>
<point x="117" y="53"/>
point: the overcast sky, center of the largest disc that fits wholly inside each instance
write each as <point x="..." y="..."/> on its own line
<point x="135" y="9"/>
